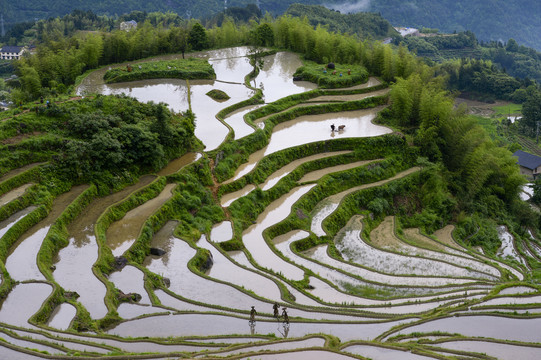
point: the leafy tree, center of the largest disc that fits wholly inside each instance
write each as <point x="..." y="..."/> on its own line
<point x="536" y="186"/>
<point x="197" y="37"/>
<point x="264" y="35"/>
<point x="531" y="112"/>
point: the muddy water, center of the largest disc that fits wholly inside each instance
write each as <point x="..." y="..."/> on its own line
<point x="303" y="355"/>
<point x="384" y="237"/>
<point x="300" y="298"/>
<point x="130" y="280"/>
<point x="496" y="327"/>
<point x="276" y="77"/>
<point x="277" y="175"/>
<point x="66" y="343"/>
<point x="123" y="233"/>
<point x="321" y="255"/>
<point x="236" y="121"/>
<point x="318" y="174"/>
<point x="311" y="128"/>
<point x="517" y="290"/>
<point x="228" y="199"/>
<point x="289" y="345"/>
<point x="211" y="325"/>
<point x="381" y="353"/>
<point x="207" y="127"/>
<point x="508" y="300"/>
<point x="185" y="283"/>
<point x="325" y="292"/>
<point x="162" y="240"/>
<point x="229" y="66"/>
<point x="499" y="351"/>
<point x="28" y="345"/>
<point x="62" y="316"/>
<point x="225" y="270"/>
<point x="255" y="243"/>
<point x="221" y="232"/>
<point x="353" y="247"/>
<point x="326" y="207"/>
<point x="130" y="311"/>
<point x="74" y="262"/>
<point x="507" y="249"/>
<point x="177" y="164"/>
<point x="177" y="304"/>
<point x="23" y="302"/>
<point x="10" y="221"/>
<point x="94" y="83"/>
<point x="13" y="194"/>
<point x="21" y="262"/>
<point x="16" y="355"/>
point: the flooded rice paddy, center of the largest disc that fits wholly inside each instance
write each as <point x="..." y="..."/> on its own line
<point x="363" y="292"/>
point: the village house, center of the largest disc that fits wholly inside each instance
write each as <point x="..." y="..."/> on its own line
<point x="9" y="52"/>
<point x="128" y="25"/>
<point x="407" y="31"/>
<point x="530" y="165"/>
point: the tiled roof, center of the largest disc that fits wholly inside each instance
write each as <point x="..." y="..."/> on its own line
<point x="527" y="160"/>
<point x="11" y="49"/>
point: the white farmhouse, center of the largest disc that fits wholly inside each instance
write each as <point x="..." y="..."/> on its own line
<point x="128" y="25"/>
<point x="9" y="52"/>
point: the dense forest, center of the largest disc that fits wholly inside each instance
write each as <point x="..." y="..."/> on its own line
<point x="490" y="20"/>
<point x="517" y="60"/>
<point x="496" y="20"/>
<point x="364" y="24"/>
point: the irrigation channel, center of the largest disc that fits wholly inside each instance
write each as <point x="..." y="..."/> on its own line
<point x="348" y="292"/>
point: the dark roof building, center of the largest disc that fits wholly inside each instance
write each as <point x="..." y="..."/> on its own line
<point x="530" y="165"/>
<point x="10" y="52"/>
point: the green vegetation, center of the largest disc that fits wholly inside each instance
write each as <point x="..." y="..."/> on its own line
<point x="509" y="109"/>
<point x="439" y="166"/>
<point x="99" y="139"/>
<point x="364" y="24"/>
<point x="191" y="68"/>
<point x="218" y="95"/>
<point x="487" y="19"/>
<point x="340" y="76"/>
<point x="518" y="61"/>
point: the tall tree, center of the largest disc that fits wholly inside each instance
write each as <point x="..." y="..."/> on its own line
<point x="197" y="37"/>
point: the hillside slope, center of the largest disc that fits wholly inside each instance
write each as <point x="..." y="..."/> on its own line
<point x="363" y="23"/>
<point x="489" y="20"/>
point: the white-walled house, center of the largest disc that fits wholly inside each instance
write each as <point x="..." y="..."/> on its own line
<point x="530" y="165"/>
<point x="10" y="52"/>
<point x="128" y="25"/>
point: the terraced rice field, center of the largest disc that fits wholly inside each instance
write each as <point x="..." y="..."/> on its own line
<point x="351" y="288"/>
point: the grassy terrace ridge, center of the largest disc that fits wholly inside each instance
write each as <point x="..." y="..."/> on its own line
<point x="187" y="69"/>
<point x="343" y="75"/>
